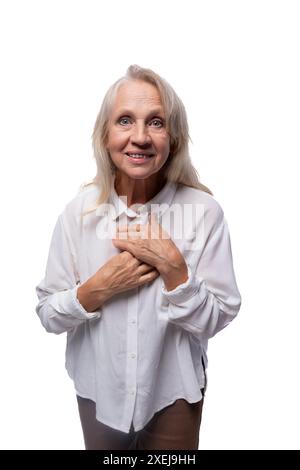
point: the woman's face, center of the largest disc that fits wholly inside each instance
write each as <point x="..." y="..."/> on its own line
<point x="138" y="141"/>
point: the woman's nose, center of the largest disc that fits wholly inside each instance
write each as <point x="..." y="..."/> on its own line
<point x="140" y="134"/>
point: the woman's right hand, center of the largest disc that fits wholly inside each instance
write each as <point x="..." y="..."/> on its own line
<point x="121" y="273"/>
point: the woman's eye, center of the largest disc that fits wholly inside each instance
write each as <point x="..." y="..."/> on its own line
<point x="158" y="123"/>
<point x="124" y="121"/>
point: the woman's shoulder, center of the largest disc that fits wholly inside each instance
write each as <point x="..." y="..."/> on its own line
<point x="85" y="197"/>
<point x="207" y="202"/>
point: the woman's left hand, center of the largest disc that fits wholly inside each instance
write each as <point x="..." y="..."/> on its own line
<point x="151" y="244"/>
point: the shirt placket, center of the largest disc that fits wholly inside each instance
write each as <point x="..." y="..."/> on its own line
<point x="132" y="348"/>
<point x="132" y="357"/>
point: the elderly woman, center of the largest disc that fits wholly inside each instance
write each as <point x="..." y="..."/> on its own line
<point x="140" y="275"/>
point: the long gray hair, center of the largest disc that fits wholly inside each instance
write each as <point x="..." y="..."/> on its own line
<point x="178" y="168"/>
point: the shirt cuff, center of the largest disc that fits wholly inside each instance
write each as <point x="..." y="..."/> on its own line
<point x="184" y="291"/>
<point x="66" y="303"/>
<point x="80" y="309"/>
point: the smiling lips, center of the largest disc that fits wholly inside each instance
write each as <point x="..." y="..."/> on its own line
<point x="139" y="157"/>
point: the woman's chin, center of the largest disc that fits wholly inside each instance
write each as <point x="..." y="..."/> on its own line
<point x="136" y="173"/>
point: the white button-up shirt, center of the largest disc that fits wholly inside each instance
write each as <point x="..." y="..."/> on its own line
<point x="146" y="347"/>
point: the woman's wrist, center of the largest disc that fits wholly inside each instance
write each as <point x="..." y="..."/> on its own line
<point x="173" y="272"/>
<point x="90" y="297"/>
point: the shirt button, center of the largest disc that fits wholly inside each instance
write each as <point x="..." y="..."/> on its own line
<point x="132" y="392"/>
<point x="133" y="321"/>
<point x="133" y="355"/>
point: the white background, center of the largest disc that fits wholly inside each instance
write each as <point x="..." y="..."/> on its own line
<point x="235" y="65"/>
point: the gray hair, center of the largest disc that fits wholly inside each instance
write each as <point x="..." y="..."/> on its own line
<point x="178" y="168"/>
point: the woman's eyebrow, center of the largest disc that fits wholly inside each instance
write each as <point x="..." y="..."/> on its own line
<point x="154" y="111"/>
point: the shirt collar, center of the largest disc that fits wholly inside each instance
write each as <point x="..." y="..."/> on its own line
<point x="158" y="204"/>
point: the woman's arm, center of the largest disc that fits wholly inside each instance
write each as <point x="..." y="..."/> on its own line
<point x="209" y="299"/>
<point x="64" y="303"/>
<point x="202" y="298"/>
<point x="120" y="273"/>
<point x="59" y="308"/>
<point x="90" y="297"/>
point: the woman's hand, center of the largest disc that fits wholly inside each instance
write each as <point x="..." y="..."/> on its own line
<point x="151" y="244"/>
<point x="121" y="273"/>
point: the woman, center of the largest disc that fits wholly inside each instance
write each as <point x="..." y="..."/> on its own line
<point x="140" y="275"/>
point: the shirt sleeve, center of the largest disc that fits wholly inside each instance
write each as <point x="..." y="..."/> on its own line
<point x="58" y="308"/>
<point x="209" y="300"/>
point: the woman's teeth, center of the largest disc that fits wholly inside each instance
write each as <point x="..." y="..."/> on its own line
<point x="138" y="155"/>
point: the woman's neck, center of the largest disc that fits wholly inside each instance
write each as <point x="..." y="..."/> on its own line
<point x="138" y="191"/>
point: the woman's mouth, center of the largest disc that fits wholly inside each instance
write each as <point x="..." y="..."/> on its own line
<point x="139" y="157"/>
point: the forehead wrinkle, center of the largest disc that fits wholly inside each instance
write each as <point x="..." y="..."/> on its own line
<point x="137" y="104"/>
<point x="125" y="102"/>
<point x="130" y="98"/>
<point x="130" y="92"/>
